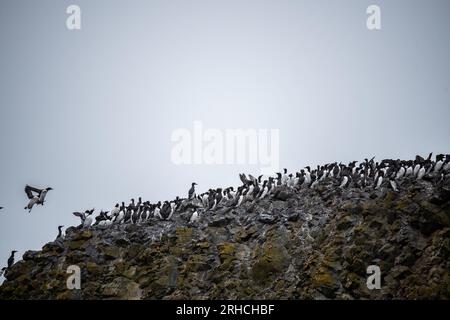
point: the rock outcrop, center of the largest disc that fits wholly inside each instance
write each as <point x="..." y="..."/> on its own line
<point x="305" y="244"/>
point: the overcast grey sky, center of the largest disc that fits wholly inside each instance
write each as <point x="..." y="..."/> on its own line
<point x="91" y="112"/>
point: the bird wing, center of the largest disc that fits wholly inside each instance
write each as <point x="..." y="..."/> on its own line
<point x="252" y="178"/>
<point x="78" y="214"/>
<point x="29" y="191"/>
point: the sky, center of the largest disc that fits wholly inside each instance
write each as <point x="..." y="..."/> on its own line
<point x="91" y="112"/>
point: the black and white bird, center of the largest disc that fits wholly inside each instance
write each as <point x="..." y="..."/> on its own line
<point x="284" y="177"/>
<point x="60" y="234"/>
<point x="121" y="214"/>
<point x="86" y="219"/>
<point x="439" y="163"/>
<point x="191" y="193"/>
<point x="166" y="210"/>
<point x="344" y="182"/>
<point x="101" y="218"/>
<point x="115" y="211"/>
<point x="264" y="191"/>
<point x="400" y="173"/>
<point x="421" y="173"/>
<point x="239" y="198"/>
<point x="11" y="259"/>
<point x="157" y="211"/>
<point x="379" y="180"/>
<point x="393" y="184"/>
<point x="36" y="196"/>
<point x="194" y="217"/>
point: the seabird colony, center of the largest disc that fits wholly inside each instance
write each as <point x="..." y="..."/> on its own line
<point x="366" y="175"/>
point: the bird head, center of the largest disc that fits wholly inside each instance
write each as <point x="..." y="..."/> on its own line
<point x="49" y="188"/>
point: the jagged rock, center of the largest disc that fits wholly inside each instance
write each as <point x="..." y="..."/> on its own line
<point x="122" y="288"/>
<point x="267" y="218"/>
<point x="283" y="195"/>
<point x="220" y="221"/>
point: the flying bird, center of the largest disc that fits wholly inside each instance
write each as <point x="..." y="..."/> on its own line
<point x="36" y="196"/>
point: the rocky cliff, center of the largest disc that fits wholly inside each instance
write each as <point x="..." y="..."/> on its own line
<point x="302" y="244"/>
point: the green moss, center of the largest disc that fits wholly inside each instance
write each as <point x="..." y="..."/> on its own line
<point x="76" y="245"/>
<point x="111" y="252"/>
<point x="184" y="234"/>
<point x="197" y="263"/>
<point x="272" y="261"/>
<point x="323" y="277"/>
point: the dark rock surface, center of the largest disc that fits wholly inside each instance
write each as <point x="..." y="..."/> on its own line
<point x="306" y="244"/>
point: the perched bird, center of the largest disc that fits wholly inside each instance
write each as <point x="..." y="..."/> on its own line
<point x="36" y="196"/>
<point x="11" y="259"/>
<point x="284" y="177"/>
<point x="191" y="193"/>
<point x="264" y="190"/>
<point x="439" y="162"/>
<point x="400" y="173"/>
<point x="165" y="210"/>
<point x="344" y="182"/>
<point x="121" y="214"/>
<point x="379" y="180"/>
<point x="195" y="217"/>
<point x="115" y="211"/>
<point x="421" y="173"/>
<point x="86" y="220"/>
<point x="59" y="232"/>
<point x="393" y="184"/>
<point x="101" y="217"/>
<point x="157" y="211"/>
<point x="2" y="271"/>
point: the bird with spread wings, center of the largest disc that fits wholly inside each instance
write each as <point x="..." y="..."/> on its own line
<point x="36" y="196"/>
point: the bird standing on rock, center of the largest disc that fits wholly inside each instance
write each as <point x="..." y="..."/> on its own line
<point x="86" y="220"/>
<point x="11" y="259"/>
<point x="195" y="217"/>
<point x="157" y="211"/>
<point x="59" y="232"/>
<point x="191" y="193"/>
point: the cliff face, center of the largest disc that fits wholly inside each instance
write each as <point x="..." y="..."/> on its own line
<point x="307" y="244"/>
